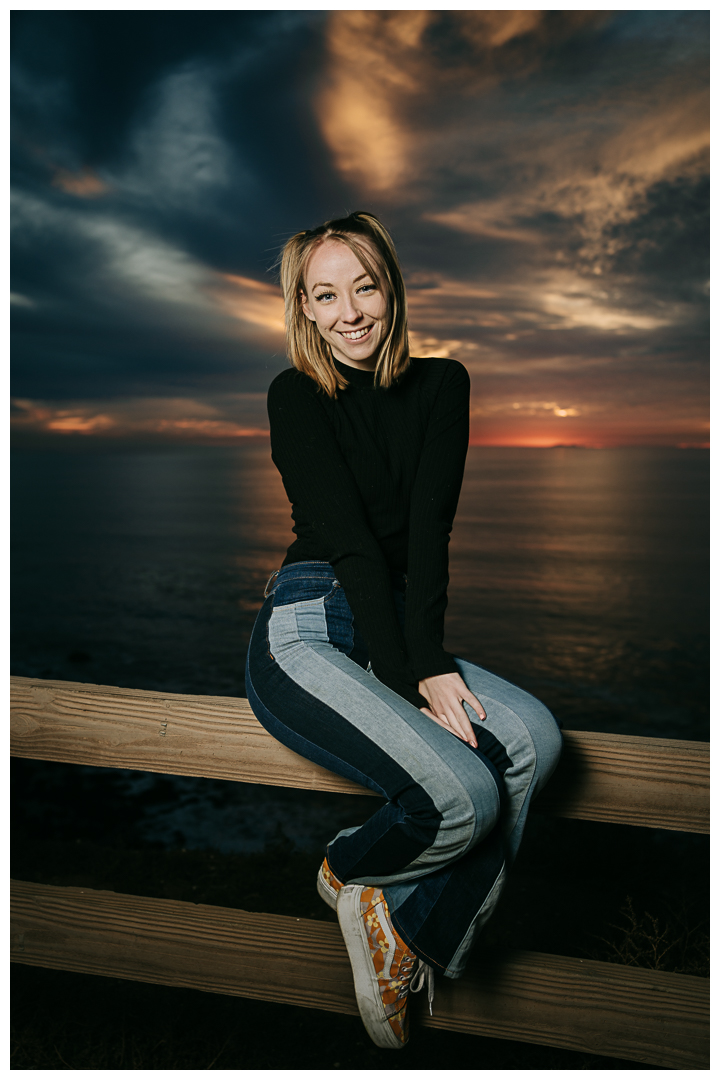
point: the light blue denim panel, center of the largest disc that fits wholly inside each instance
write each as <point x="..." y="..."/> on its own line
<point x="461" y="788"/>
<point x="530" y="734"/>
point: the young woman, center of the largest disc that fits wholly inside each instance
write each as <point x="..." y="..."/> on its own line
<point x="346" y="664"/>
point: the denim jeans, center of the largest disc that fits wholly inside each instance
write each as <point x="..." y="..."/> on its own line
<point x="453" y="816"/>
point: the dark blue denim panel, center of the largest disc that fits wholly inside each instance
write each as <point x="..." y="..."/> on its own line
<point x="293" y="590"/>
<point x="340" y="629"/>
<point x="492" y="751"/>
<point x="436" y="916"/>
<point x="405" y="826"/>
<point x="408" y="825"/>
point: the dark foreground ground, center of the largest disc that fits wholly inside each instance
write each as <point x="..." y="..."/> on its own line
<point x="67" y="1021"/>
<point x="614" y="893"/>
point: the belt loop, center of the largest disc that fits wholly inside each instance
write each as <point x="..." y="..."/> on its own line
<point x="269" y="582"/>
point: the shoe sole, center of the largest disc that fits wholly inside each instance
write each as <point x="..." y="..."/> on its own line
<point x="326" y="892"/>
<point x="372" y="1010"/>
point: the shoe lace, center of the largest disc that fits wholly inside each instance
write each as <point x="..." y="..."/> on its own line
<point x="424" y="975"/>
<point x="414" y="981"/>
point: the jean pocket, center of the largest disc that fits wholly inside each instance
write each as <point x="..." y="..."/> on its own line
<point x="303" y="590"/>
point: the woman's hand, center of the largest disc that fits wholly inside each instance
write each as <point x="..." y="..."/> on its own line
<point x="446" y="694"/>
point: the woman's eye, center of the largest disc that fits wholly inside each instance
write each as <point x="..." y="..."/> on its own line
<point x="324" y="296"/>
<point x="366" y="288"/>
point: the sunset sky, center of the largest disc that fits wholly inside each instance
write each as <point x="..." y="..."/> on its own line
<point x="544" y="174"/>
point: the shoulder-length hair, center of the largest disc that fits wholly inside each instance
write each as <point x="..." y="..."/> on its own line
<point x="371" y="243"/>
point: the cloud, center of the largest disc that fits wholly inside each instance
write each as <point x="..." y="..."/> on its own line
<point x="572" y="301"/>
<point x="390" y="72"/>
<point x="555" y="300"/>
<point x="420" y="346"/>
<point x="166" y="419"/>
<point x="66" y="423"/>
<point x="372" y="58"/>
<point x="85" y="183"/>
<point x="255" y="302"/>
<point x="544" y="175"/>
<point x="527" y="408"/>
<point x="178" y="153"/>
<point x="419" y="107"/>
<point x="21" y="301"/>
<point x="132" y="264"/>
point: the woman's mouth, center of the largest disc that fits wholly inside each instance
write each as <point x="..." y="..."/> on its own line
<point x="355" y="335"/>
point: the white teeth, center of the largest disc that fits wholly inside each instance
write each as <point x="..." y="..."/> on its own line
<point x="353" y="335"/>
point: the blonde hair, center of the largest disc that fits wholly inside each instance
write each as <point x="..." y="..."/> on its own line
<point x="371" y="243"/>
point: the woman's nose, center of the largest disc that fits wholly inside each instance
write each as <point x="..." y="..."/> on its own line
<point x="350" y="310"/>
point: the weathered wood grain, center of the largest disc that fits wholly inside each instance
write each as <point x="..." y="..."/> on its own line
<point x="628" y="779"/>
<point x="654" y="1017"/>
<point x="661" y="783"/>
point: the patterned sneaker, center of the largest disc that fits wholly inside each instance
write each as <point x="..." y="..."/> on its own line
<point x="384" y="969"/>
<point x="328" y="885"/>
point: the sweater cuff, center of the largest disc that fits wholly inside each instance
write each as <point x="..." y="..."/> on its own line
<point x="403" y="683"/>
<point x="437" y="662"/>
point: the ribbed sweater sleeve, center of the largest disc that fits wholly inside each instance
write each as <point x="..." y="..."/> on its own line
<point x="317" y="478"/>
<point x="432" y="509"/>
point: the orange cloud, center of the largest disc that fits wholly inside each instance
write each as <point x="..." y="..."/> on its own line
<point x="213" y="428"/>
<point x="526" y="408"/>
<point x="251" y="301"/>
<point x="86" y="184"/>
<point x="159" y="417"/>
<point x="79" y="425"/>
<point x="372" y="56"/>
<point x="384" y="79"/>
<point x="490" y="29"/>
<point x="421" y="345"/>
<point x="486" y="219"/>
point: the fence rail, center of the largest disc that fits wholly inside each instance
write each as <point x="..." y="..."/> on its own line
<point x="649" y="1016"/>
<point x="659" y="1018"/>
<point x="660" y="783"/>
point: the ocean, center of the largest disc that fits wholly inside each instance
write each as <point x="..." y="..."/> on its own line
<point x="581" y="575"/>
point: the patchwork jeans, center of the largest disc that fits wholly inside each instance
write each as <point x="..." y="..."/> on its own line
<point x="453" y="816"/>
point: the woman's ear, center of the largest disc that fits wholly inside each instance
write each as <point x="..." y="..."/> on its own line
<point x="306" y="307"/>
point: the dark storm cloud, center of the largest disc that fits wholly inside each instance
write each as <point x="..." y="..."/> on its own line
<point x="544" y="174"/>
<point x="666" y="243"/>
<point x="142" y="174"/>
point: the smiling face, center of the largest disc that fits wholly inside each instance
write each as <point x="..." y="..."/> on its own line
<point x="345" y="303"/>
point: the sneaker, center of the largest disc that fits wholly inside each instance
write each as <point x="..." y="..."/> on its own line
<point x="328" y="885"/>
<point x="384" y="968"/>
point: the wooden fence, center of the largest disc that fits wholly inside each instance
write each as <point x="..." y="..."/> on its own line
<point x="659" y="1018"/>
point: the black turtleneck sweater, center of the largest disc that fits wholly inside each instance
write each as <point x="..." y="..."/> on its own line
<point x="374" y="478"/>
